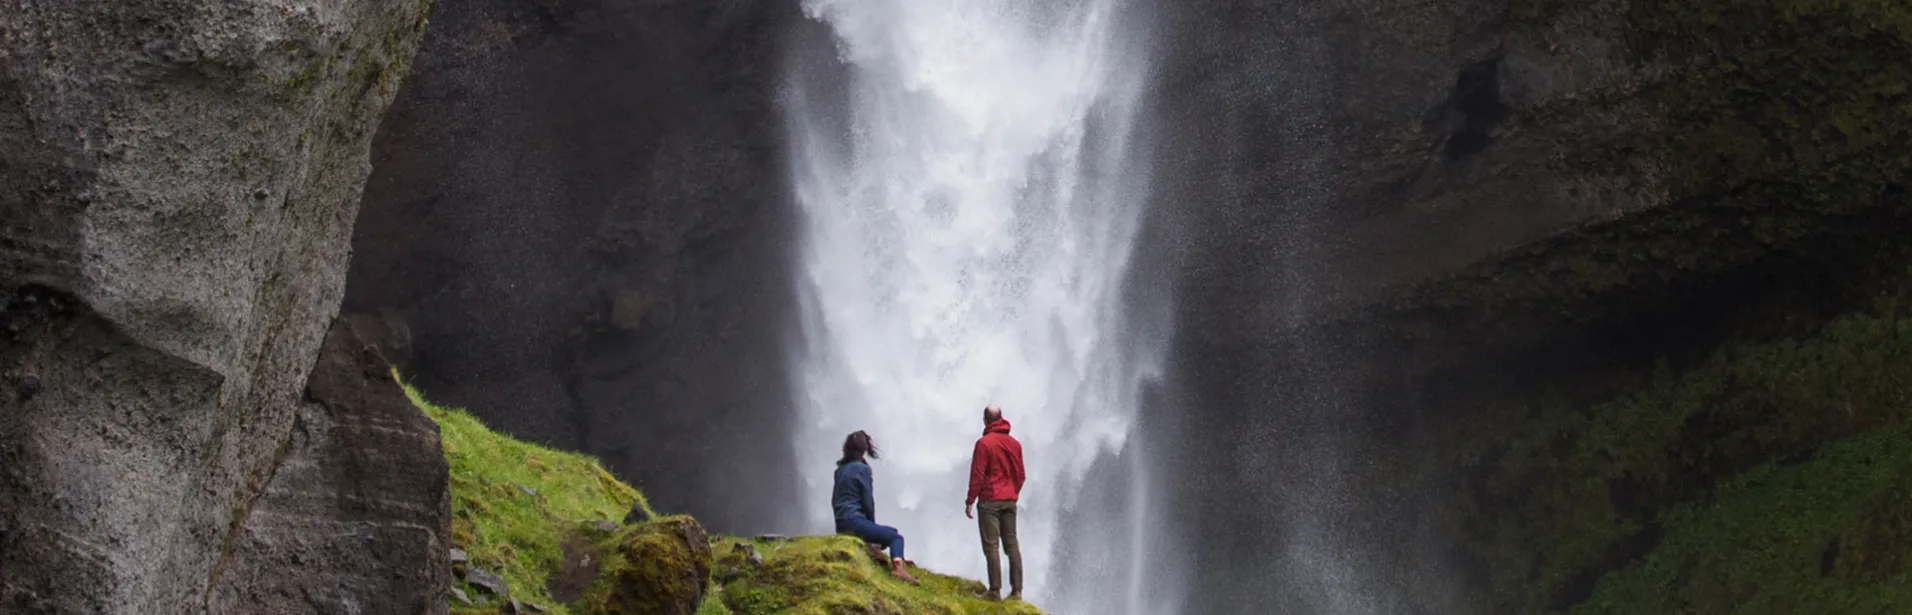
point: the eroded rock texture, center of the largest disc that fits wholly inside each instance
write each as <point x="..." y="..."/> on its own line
<point x="178" y="182"/>
<point x="356" y="517"/>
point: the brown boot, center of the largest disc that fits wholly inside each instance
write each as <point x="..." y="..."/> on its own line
<point x="901" y="572"/>
<point x="1015" y="594"/>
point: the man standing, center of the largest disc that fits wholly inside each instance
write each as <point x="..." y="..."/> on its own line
<point x="995" y="478"/>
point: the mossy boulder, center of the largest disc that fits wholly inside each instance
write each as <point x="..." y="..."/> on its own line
<point x="544" y="522"/>
<point x="657" y="568"/>
<point x="833" y="575"/>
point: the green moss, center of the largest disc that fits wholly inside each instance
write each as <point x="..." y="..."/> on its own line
<point x="519" y="534"/>
<point x="1829" y="535"/>
<point x="1766" y="126"/>
<point x="1587" y="485"/>
<point x="514" y="503"/>
<point x="306" y="77"/>
<point x="828" y="575"/>
<point x="650" y="567"/>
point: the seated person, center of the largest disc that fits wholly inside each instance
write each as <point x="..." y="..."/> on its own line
<point x="854" y="502"/>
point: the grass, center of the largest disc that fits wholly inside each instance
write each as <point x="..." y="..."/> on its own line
<point x="1577" y="493"/>
<point x="514" y="504"/>
<point x="829" y="575"/>
<point x="1830" y="535"/>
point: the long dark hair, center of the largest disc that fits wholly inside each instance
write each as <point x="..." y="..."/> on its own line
<point x="856" y="446"/>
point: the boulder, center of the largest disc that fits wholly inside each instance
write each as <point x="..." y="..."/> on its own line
<point x="658" y="568"/>
<point x="178" y="185"/>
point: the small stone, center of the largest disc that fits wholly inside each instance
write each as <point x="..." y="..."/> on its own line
<point x="528" y="491"/>
<point x="534" y="607"/>
<point x="637" y="515"/>
<point x="485" y="581"/>
<point x="459" y="595"/>
<point x="458" y="556"/>
<point x="604" y="526"/>
<point x="261" y="194"/>
<point x="773" y="537"/>
<point x="749" y="552"/>
<point x="28" y="385"/>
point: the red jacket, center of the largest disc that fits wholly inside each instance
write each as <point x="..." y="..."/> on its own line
<point x="995" y="469"/>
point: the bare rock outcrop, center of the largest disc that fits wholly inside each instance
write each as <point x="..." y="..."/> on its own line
<point x="178" y="184"/>
<point x="357" y="516"/>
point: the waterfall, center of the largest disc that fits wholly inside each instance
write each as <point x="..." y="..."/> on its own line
<point x="969" y="207"/>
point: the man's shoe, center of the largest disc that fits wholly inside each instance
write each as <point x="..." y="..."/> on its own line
<point x="1015" y="594"/>
<point x="993" y="595"/>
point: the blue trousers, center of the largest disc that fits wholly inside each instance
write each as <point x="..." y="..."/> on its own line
<point x="870" y="532"/>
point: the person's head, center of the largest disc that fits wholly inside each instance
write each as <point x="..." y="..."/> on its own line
<point x="991" y="414"/>
<point x="856" y="446"/>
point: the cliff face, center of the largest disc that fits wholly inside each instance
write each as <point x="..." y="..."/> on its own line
<point x="178" y="182"/>
<point x="576" y="228"/>
<point x="1398" y="215"/>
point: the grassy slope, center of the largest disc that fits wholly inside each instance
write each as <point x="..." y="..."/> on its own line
<point x="1690" y="480"/>
<point x="505" y="529"/>
<point x="517" y="534"/>
<point x="1830" y="535"/>
<point x="822" y="575"/>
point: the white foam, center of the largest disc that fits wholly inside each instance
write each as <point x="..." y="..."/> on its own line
<point x="956" y="255"/>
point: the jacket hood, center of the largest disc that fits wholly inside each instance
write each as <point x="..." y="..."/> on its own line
<point x="996" y="426"/>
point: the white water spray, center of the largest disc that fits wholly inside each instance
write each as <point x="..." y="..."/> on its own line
<point x="965" y="243"/>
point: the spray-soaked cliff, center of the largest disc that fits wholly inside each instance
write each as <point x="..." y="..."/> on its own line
<point x="575" y="227"/>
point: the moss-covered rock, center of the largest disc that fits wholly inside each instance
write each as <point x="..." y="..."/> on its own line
<point x="835" y="575"/>
<point x="516" y="505"/>
<point x="657" y="568"/>
<point x="545" y="521"/>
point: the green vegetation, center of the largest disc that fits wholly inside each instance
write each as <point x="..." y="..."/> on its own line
<point x="1767" y="127"/>
<point x="1830" y="535"/>
<point x="834" y="574"/>
<point x="517" y="508"/>
<point x="514" y="503"/>
<point x="1600" y="487"/>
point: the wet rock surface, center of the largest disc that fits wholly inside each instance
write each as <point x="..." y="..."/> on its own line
<point x="178" y="182"/>
<point x="606" y="180"/>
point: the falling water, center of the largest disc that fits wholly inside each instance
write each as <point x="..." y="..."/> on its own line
<point x="970" y="208"/>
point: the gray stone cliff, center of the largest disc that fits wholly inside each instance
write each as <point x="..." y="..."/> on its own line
<point x="178" y="184"/>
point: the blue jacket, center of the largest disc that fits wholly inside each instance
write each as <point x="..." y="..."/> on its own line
<point x="853" y="496"/>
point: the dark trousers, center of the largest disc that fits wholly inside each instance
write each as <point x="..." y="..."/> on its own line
<point x="998" y="521"/>
<point x="870" y="532"/>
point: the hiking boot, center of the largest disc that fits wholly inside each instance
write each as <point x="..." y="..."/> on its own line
<point x="994" y="595"/>
<point x="901" y="573"/>
<point x="1015" y="594"/>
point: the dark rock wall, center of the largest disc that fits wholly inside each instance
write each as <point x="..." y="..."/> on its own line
<point x="178" y="182"/>
<point x="1393" y="212"/>
<point x="576" y="229"/>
